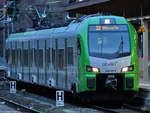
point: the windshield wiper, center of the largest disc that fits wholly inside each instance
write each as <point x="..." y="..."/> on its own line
<point x="120" y="48"/>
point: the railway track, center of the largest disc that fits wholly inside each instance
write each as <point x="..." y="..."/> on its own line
<point x="106" y="110"/>
<point x="21" y="107"/>
<point x="122" y="109"/>
<point x="139" y="109"/>
<point x="125" y="108"/>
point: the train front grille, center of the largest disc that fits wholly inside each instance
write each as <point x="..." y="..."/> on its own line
<point x="109" y="82"/>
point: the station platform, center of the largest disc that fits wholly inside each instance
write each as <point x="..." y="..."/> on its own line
<point x="143" y="96"/>
<point x="144" y="84"/>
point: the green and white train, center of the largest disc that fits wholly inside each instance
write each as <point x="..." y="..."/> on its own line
<point x="91" y="54"/>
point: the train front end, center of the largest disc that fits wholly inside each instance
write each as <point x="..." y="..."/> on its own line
<point x="108" y="60"/>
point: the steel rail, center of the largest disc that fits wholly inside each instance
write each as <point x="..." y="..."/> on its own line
<point x="29" y="109"/>
<point x="103" y="109"/>
<point x="143" y="110"/>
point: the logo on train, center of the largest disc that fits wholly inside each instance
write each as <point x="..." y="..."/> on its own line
<point x="110" y="63"/>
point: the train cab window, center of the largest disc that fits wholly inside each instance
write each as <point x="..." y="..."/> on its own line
<point x="47" y="63"/>
<point x="109" y="43"/>
<point x="70" y="55"/>
<point x="79" y="46"/>
<point x="61" y="58"/>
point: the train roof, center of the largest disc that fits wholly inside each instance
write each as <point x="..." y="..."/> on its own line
<point x="118" y="19"/>
<point x="47" y="32"/>
<point x="72" y="28"/>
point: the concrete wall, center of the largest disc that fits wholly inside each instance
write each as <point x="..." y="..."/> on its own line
<point x="149" y="48"/>
<point x="146" y="51"/>
<point x="141" y="68"/>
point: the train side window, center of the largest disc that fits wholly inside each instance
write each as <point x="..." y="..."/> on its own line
<point x="16" y="56"/>
<point x="13" y="59"/>
<point x="79" y="46"/>
<point x="1" y="48"/>
<point x="61" y="58"/>
<point x="47" y="63"/>
<point x="19" y="54"/>
<point x="13" y="56"/>
<point x="10" y="57"/>
<point x="20" y="57"/>
<point x="25" y="57"/>
<point x="70" y="55"/>
<point x="40" y="58"/>
<point x="7" y="55"/>
<point x="35" y="57"/>
<point x="30" y="56"/>
<point x="53" y="57"/>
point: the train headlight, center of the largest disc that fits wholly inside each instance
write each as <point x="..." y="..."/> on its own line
<point x="127" y="69"/>
<point x="92" y="69"/>
<point x="107" y="21"/>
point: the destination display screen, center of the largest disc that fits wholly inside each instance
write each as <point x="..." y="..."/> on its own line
<point x="109" y="41"/>
<point x="108" y="28"/>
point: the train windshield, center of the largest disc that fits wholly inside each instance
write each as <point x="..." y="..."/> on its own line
<point x="109" y="41"/>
